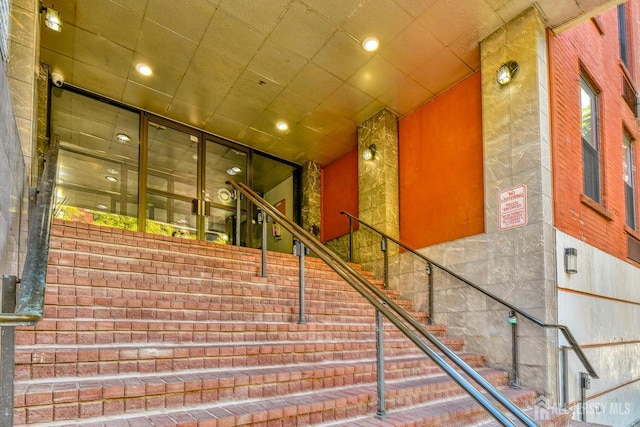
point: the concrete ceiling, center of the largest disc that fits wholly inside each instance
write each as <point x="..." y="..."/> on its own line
<point x="236" y="67"/>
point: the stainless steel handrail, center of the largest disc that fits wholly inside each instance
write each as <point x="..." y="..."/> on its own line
<point x="398" y="317"/>
<point x="564" y="329"/>
<point x="30" y="302"/>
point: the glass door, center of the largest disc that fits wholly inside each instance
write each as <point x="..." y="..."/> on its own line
<point x="223" y="162"/>
<point x="172" y="180"/>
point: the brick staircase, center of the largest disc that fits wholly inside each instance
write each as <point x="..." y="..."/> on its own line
<point x="144" y="330"/>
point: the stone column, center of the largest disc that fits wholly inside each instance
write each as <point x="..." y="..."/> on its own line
<point x="378" y="187"/>
<point x="311" y="197"/>
<point x="520" y="265"/>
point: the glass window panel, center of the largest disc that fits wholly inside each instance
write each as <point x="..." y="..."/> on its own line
<point x="170" y="217"/>
<point x="222" y="164"/>
<point x="629" y="186"/>
<point x="173" y="155"/>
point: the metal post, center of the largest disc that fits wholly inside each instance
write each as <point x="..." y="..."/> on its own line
<point x="429" y="272"/>
<point x="513" y="321"/>
<point x="238" y="215"/>
<point x="7" y="351"/>
<point x="381" y="412"/>
<point x="564" y="375"/>
<point x="300" y="250"/>
<point x="350" y="239"/>
<point x="262" y="216"/>
<point x="385" y="256"/>
<point x="585" y="384"/>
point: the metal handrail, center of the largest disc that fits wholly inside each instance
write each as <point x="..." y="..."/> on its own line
<point x="564" y="329"/>
<point x="397" y="316"/>
<point x="30" y="301"/>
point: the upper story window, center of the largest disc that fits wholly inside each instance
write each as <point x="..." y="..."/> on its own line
<point x="590" y="143"/>
<point x="629" y="190"/>
<point x="622" y="34"/>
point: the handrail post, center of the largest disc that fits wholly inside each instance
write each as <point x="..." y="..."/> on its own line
<point x="7" y="351"/>
<point x="385" y="256"/>
<point x="262" y="217"/>
<point x="299" y="250"/>
<point x="238" y="213"/>
<point x="564" y="375"/>
<point x="429" y="272"/>
<point x="350" y="239"/>
<point x="585" y="384"/>
<point x="513" y="321"/>
<point x="381" y="412"/>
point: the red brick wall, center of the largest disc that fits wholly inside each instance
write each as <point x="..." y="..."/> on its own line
<point x="593" y="49"/>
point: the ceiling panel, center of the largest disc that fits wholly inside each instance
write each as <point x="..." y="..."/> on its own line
<point x="209" y="58"/>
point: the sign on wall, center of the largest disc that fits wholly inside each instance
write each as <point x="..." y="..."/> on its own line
<point x="512" y="207"/>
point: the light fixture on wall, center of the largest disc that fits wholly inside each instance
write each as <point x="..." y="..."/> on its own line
<point x="51" y="18"/>
<point x="369" y="153"/>
<point x="571" y="260"/>
<point x="507" y="72"/>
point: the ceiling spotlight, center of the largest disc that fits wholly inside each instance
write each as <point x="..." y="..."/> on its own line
<point x="369" y="152"/>
<point x="370" y="44"/>
<point x="507" y="72"/>
<point x="144" y="69"/>
<point x="123" y="138"/>
<point x="282" y="126"/>
<point x="111" y="178"/>
<point x="51" y="18"/>
<point x="101" y="206"/>
<point x="113" y="171"/>
<point x="234" y="170"/>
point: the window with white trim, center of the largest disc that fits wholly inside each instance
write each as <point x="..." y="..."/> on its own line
<point x="590" y="143"/>
<point x="629" y="184"/>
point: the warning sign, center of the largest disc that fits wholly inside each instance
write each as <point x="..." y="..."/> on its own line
<point x="512" y="205"/>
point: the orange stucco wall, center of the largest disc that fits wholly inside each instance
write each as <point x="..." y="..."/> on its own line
<point x="441" y="168"/>
<point x="592" y="49"/>
<point x="339" y="182"/>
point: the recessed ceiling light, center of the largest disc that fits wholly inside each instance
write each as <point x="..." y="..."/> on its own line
<point x="113" y="171"/>
<point x="234" y="170"/>
<point x="123" y="138"/>
<point x="370" y="44"/>
<point x="282" y="126"/>
<point x="144" y="69"/>
<point x="111" y="178"/>
<point x="101" y="206"/>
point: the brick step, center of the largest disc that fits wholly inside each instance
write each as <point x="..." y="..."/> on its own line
<point x="197" y="281"/>
<point x="105" y="331"/>
<point x="322" y="404"/>
<point x="76" y="295"/>
<point x="239" y="313"/>
<point x="43" y="361"/>
<point x="225" y="384"/>
<point x="452" y="411"/>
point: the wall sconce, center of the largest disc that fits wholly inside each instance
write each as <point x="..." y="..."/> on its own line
<point x="571" y="260"/>
<point x="507" y="72"/>
<point x="369" y="153"/>
<point x="51" y="18"/>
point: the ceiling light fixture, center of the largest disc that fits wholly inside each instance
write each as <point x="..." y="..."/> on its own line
<point x="370" y="44"/>
<point x="369" y="153"/>
<point x="51" y="18"/>
<point x="282" y="126"/>
<point x="144" y="69"/>
<point x="101" y="206"/>
<point x="111" y="178"/>
<point x="123" y="138"/>
<point x="234" y="170"/>
<point x="507" y="72"/>
<point x="112" y="171"/>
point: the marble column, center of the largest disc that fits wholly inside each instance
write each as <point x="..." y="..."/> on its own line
<point x="311" y="197"/>
<point x="517" y="155"/>
<point x="378" y="187"/>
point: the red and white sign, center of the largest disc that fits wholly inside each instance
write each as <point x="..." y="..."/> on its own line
<point x="512" y="205"/>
